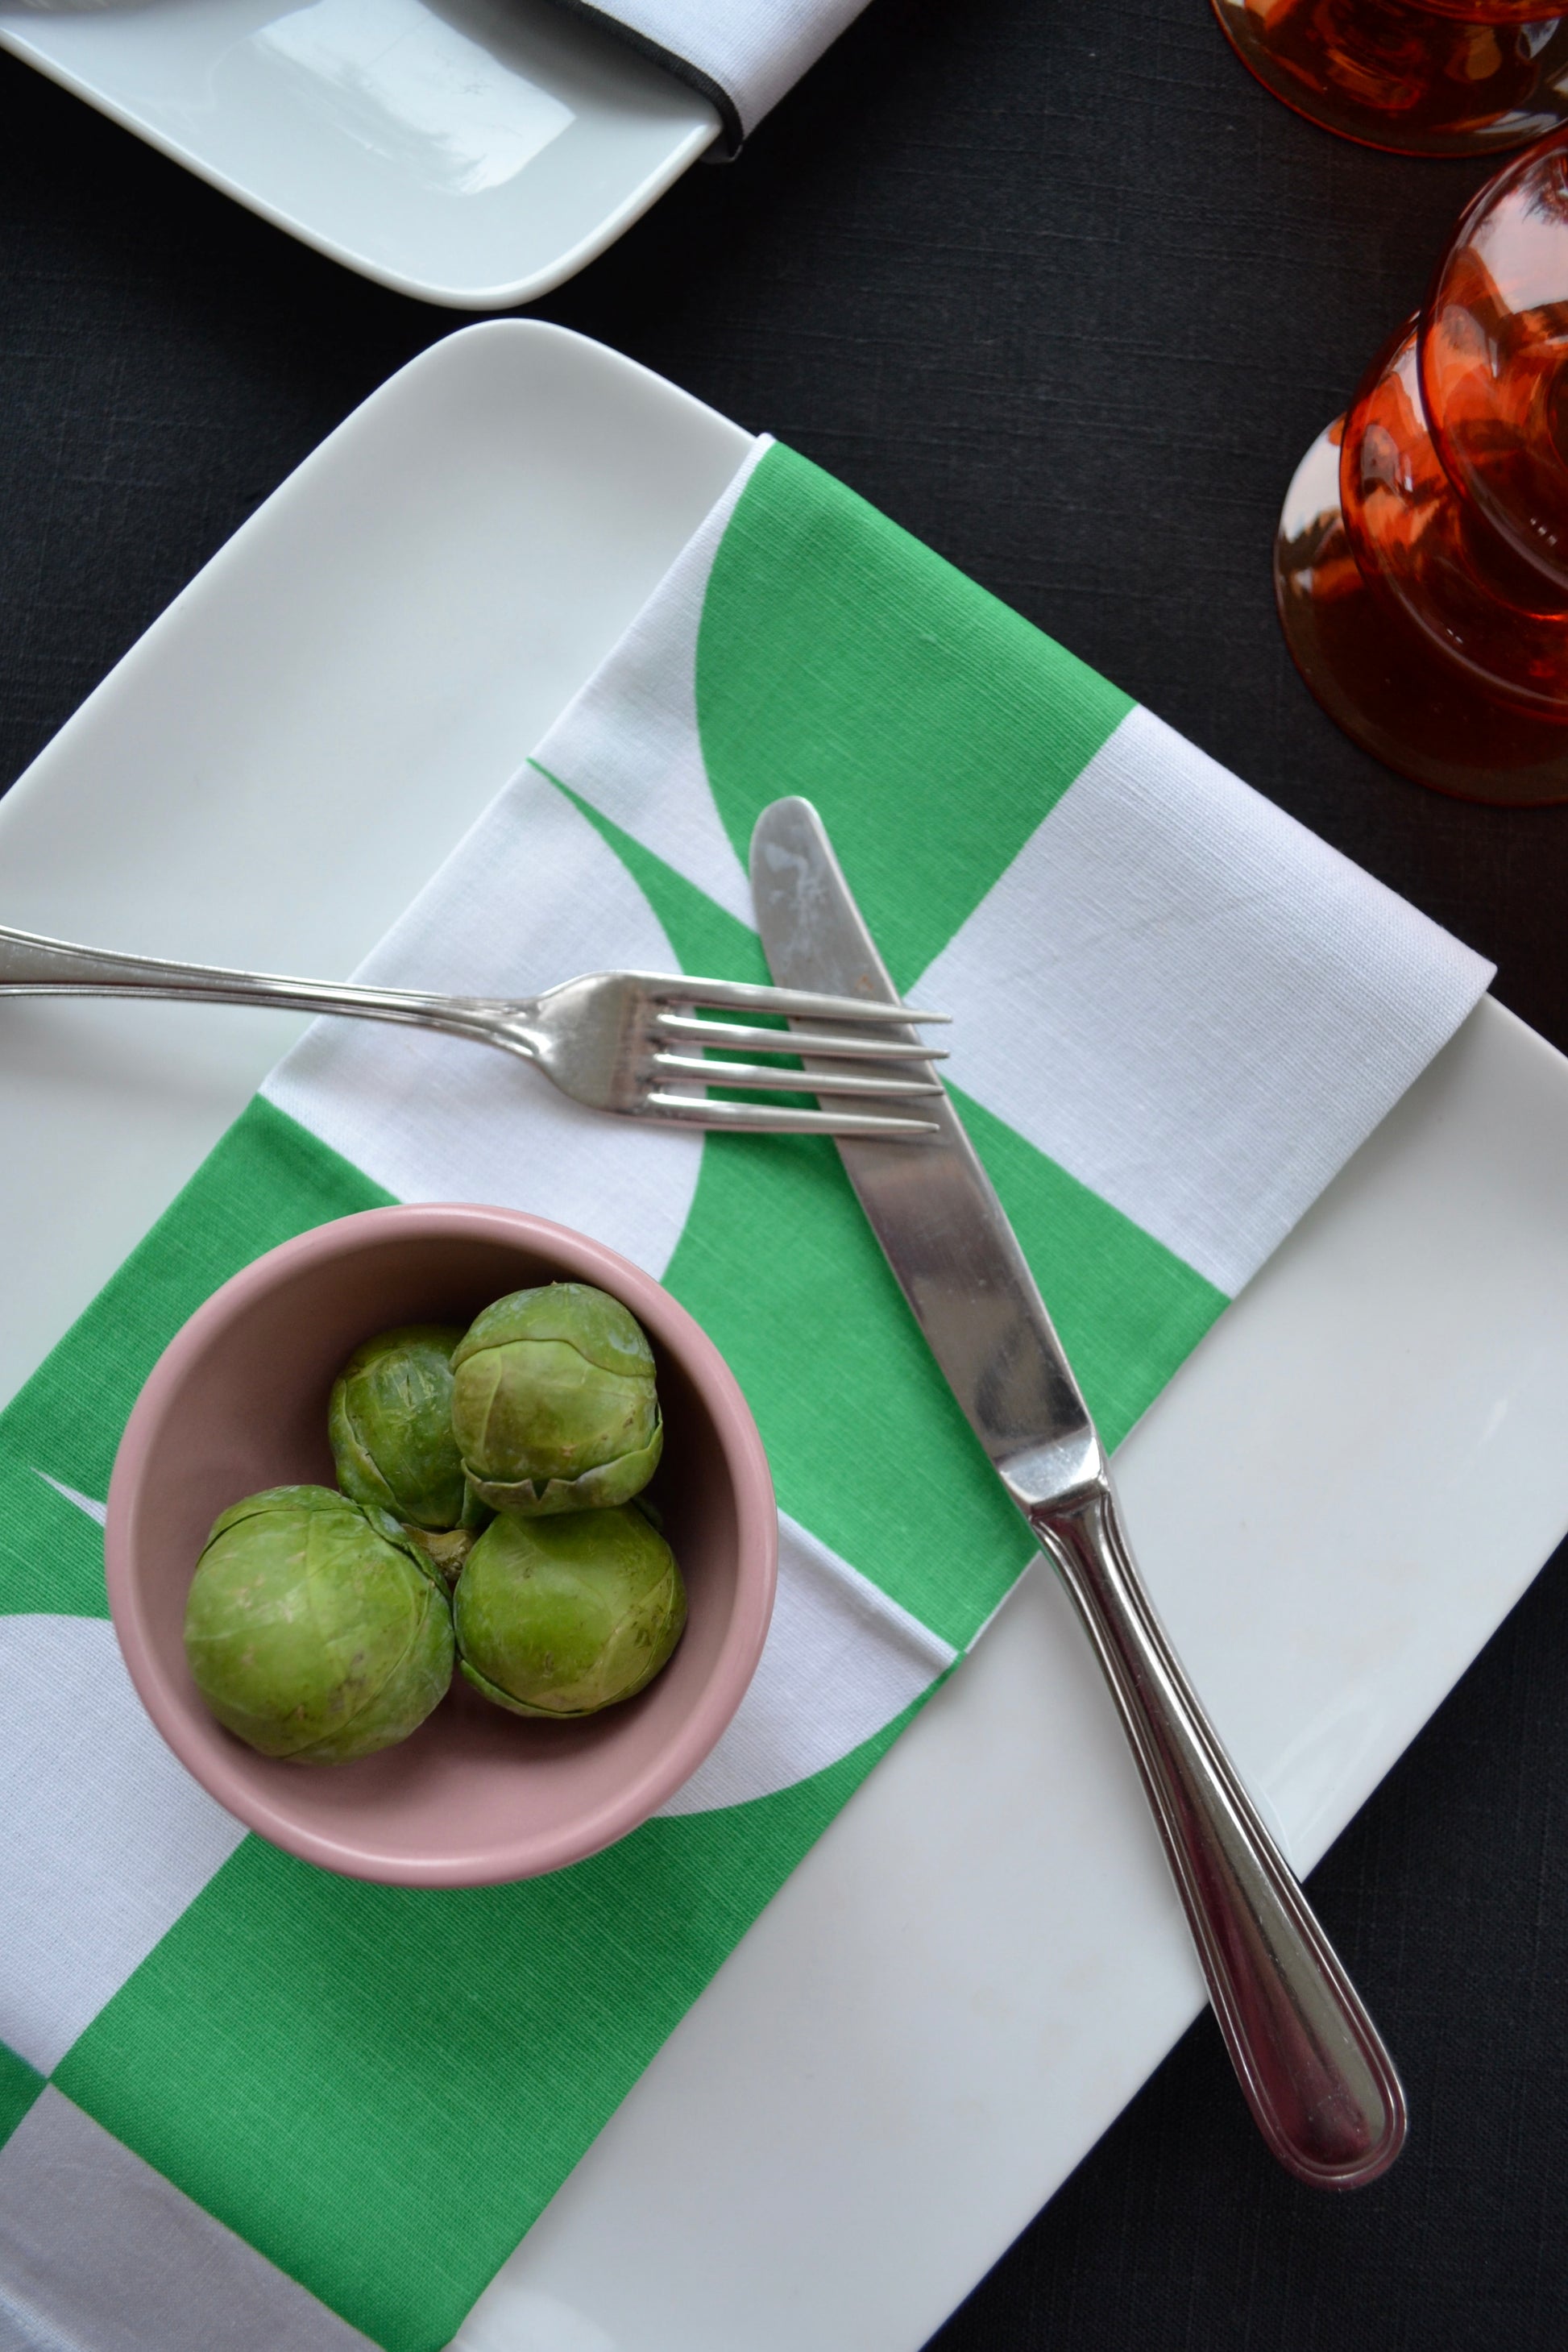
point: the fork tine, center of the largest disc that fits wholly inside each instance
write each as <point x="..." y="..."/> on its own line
<point x="767" y="1074"/>
<point x="743" y="996"/>
<point x="770" y="1119"/>
<point x="734" y="1037"/>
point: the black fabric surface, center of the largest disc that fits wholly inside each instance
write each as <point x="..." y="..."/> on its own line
<point x="1056" y="285"/>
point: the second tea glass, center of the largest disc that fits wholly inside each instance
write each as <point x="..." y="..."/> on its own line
<point x="1421" y="563"/>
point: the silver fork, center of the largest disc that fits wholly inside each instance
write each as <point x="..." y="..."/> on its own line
<point x="618" y="1041"/>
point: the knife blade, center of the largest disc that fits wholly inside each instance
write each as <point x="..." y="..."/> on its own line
<point x="1319" y="2082"/>
<point x="930" y="1201"/>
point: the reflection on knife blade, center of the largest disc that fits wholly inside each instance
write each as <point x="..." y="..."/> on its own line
<point x="932" y="1204"/>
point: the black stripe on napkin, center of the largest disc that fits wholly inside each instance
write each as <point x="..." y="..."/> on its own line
<point x="731" y="134"/>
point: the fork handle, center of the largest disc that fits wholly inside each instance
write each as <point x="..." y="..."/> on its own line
<point x="31" y="965"/>
<point x="1311" y="2063"/>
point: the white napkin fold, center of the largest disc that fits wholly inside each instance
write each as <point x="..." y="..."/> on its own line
<point x="741" y="54"/>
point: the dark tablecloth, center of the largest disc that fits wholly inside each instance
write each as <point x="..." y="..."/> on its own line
<point x="1058" y="287"/>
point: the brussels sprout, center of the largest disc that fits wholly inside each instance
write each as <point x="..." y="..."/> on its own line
<point x="313" y="1629"/>
<point x="564" y="1615"/>
<point x="554" y="1404"/>
<point x="390" y="1423"/>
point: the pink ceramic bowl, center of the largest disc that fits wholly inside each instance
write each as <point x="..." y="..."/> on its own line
<point x="238" y="1402"/>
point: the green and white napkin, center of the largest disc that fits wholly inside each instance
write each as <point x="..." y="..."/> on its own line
<point x="1176" y="1016"/>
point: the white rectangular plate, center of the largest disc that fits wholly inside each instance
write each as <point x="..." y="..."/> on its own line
<point x="473" y="153"/>
<point x="983" y="1958"/>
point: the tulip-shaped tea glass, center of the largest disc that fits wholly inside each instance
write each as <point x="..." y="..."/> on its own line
<point x="1421" y="563"/>
<point x="1421" y="77"/>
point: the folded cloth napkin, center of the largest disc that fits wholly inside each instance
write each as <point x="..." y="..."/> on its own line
<point x="1176" y="1014"/>
<point x="741" y="54"/>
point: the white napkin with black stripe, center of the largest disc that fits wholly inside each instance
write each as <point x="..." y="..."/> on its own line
<point x="743" y="55"/>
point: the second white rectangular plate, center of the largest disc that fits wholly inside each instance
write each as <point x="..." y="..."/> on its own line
<point x="983" y="1958"/>
<point x="474" y="153"/>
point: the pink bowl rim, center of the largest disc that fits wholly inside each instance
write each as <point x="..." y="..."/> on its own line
<point x="670" y="1325"/>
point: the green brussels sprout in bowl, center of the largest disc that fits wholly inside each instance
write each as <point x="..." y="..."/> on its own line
<point x="239" y="1405"/>
<point x="389" y="1421"/>
<point x="555" y="1402"/>
<point x="565" y="1614"/>
<point x="314" y="1630"/>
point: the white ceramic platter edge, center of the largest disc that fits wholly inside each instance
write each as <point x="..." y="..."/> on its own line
<point x="474" y="155"/>
<point x="981" y="1959"/>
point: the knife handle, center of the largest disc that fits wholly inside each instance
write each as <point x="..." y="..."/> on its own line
<point x="1312" y="2064"/>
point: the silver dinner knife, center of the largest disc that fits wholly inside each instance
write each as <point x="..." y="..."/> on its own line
<point x="1319" y="2082"/>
